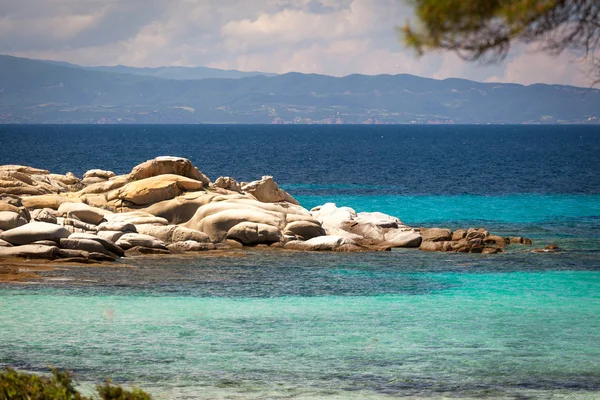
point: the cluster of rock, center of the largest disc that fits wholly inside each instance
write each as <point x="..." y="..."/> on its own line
<point x="166" y="205"/>
<point x="472" y="240"/>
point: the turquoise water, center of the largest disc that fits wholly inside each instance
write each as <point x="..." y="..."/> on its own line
<point x="401" y="324"/>
<point x="466" y="334"/>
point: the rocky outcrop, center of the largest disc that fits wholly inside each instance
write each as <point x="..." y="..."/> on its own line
<point x="368" y="229"/>
<point x="166" y="165"/>
<point x="472" y="240"/>
<point x="267" y="191"/>
<point x="228" y="183"/>
<point x="155" y="189"/>
<point x="167" y="205"/>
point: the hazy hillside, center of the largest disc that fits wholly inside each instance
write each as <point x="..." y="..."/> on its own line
<point x="40" y="92"/>
<point x="177" y="73"/>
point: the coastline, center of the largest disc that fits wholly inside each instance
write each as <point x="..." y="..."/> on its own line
<point x="168" y="206"/>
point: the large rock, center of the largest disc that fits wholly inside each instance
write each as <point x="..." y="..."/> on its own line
<point x="157" y="188"/>
<point x="267" y="191"/>
<point x="98" y="173"/>
<point x="33" y="232"/>
<point x="91" y="246"/>
<point x="168" y="165"/>
<point x="83" y="212"/>
<point x="250" y="233"/>
<point x="106" y="243"/>
<point x="117" y="226"/>
<point x="113" y="236"/>
<point x="105" y="186"/>
<point x="189" y="246"/>
<point x="52" y="201"/>
<point x="304" y="230"/>
<point x="172" y="233"/>
<point x="23" y="169"/>
<point x="436" y="235"/>
<point x="366" y="228"/>
<point x="228" y="183"/>
<point x="130" y="240"/>
<point x="135" y="218"/>
<point x="182" y="208"/>
<point x="69" y="179"/>
<point x="217" y="225"/>
<point x="321" y="243"/>
<point x="33" y="251"/>
<point x="44" y="215"/>
<point x="10" y="220"/>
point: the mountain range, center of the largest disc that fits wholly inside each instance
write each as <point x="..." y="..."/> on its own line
<point x="34" y="91"/>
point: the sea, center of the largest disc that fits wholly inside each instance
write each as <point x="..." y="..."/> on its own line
<point x="277" y="325"/>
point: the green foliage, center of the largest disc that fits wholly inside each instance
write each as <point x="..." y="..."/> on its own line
<point x="22" y="386"/>
<point x="108" y="392"/>
<point x="485" y="29"/>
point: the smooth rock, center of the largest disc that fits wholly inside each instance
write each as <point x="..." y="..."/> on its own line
<point x="157" y="188"/>
<point x="82" y="212"/>
<point x="304" y="230"/>
<point x="267" y="191"/>
<point x="227" y="183"/>
<point x="172" y="233"/>
<point x="250" y="233"/>
<point x="136" y="218"/>
<point x="321" y="243"/>
<point x="117" y="226"/>
<point x="427" y="245"/>
<point x="32" y="251"/>
<point x="130" y="240"/>
<point x="4" y="243"/>
<point x="189" y="246"/>
<point x="98" y="173"/>
<point x="113" y="236"/>
<point x="44" y="215"/>
<point x="436" y="235"/>
<point x="106" y="243"/>
<point x="168" y="165"/>
<point x="33" y="232"/>
<point x="52" y="201"/>
<point x="23" y="169"/>
<point x="70" y="253"/>
<point x="217" y="225"/>
<point x="459" y="234"/>
<point x="91" y="246"/>
<point x="77" y="224"/>
<point x="68" y="179"/>
<point x="10" y="220"/>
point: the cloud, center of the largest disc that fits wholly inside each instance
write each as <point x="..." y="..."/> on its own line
<point x="336" y="37"/>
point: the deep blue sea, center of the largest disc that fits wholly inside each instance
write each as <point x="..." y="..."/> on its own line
<point x="408" y="324"/>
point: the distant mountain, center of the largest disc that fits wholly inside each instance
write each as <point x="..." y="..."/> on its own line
<point x="176" y="73"/>
<point x="40" y="92"/>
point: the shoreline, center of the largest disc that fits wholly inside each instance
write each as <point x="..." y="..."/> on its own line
<point x="168" y="206"/>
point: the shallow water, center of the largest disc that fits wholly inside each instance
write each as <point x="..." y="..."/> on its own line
<point x="274" y="324"/>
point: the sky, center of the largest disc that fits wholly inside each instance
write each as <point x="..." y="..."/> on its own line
<point x="333" y="37"/>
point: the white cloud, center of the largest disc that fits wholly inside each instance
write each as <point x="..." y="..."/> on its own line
<point x="336" y="37"/>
